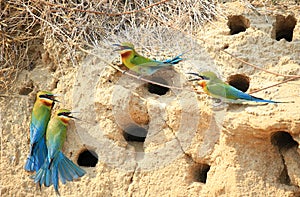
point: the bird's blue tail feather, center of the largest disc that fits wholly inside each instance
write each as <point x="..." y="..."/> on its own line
<point x="242" y="95"/>
<point x="175" y="60"/>
<point x="256" y="99"/>
<point x="37" y="156"/>
<point x="61" y="168"/>
<point x="259" y="100"/>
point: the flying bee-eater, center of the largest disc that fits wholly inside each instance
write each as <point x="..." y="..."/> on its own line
<point x="57" y="165"/>
<point x="216" y="88"/>
<point x="40" y="116"/>
<point x="140" y="64"/>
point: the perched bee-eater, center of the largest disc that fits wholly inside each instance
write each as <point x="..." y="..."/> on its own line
<point x="40" y="116"/>
<point x="139" y="64"/>
<point x="216" y="88"/>
<point x="57" y="165"/>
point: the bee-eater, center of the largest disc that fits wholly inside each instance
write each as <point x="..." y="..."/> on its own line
<point x="216" y="88"/>
<point x="139" y="64"/>
<point x="40" y="116"/>
<point x="57" y="165"/>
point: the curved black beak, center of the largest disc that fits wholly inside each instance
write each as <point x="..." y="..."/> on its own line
<point x="53" y="99"/>
<point x="70" y="116"/>
<point x="199" y="77"/>
<point x="117" y="45"/>
<point x="121" y="47"/>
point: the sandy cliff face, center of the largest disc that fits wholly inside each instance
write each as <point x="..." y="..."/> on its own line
<point x="185" y="145"/>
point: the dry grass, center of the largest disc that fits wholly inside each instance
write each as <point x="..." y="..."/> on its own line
<point x="29" y="26"/>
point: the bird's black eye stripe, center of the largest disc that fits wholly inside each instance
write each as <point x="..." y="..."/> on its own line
<point x="127" y="47"/>
<point x="46" y="96"/>
<point x="43" y="96"/>
<point x="204" y="77"/>
<point x="64" y="113"/>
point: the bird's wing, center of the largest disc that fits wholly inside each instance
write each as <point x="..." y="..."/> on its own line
<point x="139" y="60"/>
<point x="229" y="92"/>
<point x="217" y="90"/>
<point x="38" y="127"/>
<point x="146" y="62"/>
<point x="55" y="136"/>
<point x="223" y="90"/>
<point x="233" y="93"/>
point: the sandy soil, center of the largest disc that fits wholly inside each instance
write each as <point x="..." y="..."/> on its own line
<point x="192" y="148"/>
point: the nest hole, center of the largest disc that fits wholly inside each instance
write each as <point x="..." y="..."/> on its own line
<point x="157" y="89"/>
<point x="135" y="134"/>
<point x="27" y="89"/>
<point x="237" y="24"/>
<point x="283" y="140"/>
<point x="284" y="28"/>
<point x="200" y="173"/>
<point x="54" y="84"/>
<point x="225" y="46"/>
<point x="239" y="81"/>
<point x="87" y="158"/>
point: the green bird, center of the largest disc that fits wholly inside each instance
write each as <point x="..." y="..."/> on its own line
<point x="40" y="117"/>
<point x="216" y="88"/>
<point x="140" y="64"/>
<point x="57" y="165"/>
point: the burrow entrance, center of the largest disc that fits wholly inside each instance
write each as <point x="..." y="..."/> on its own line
<point x="283" y="28"/>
